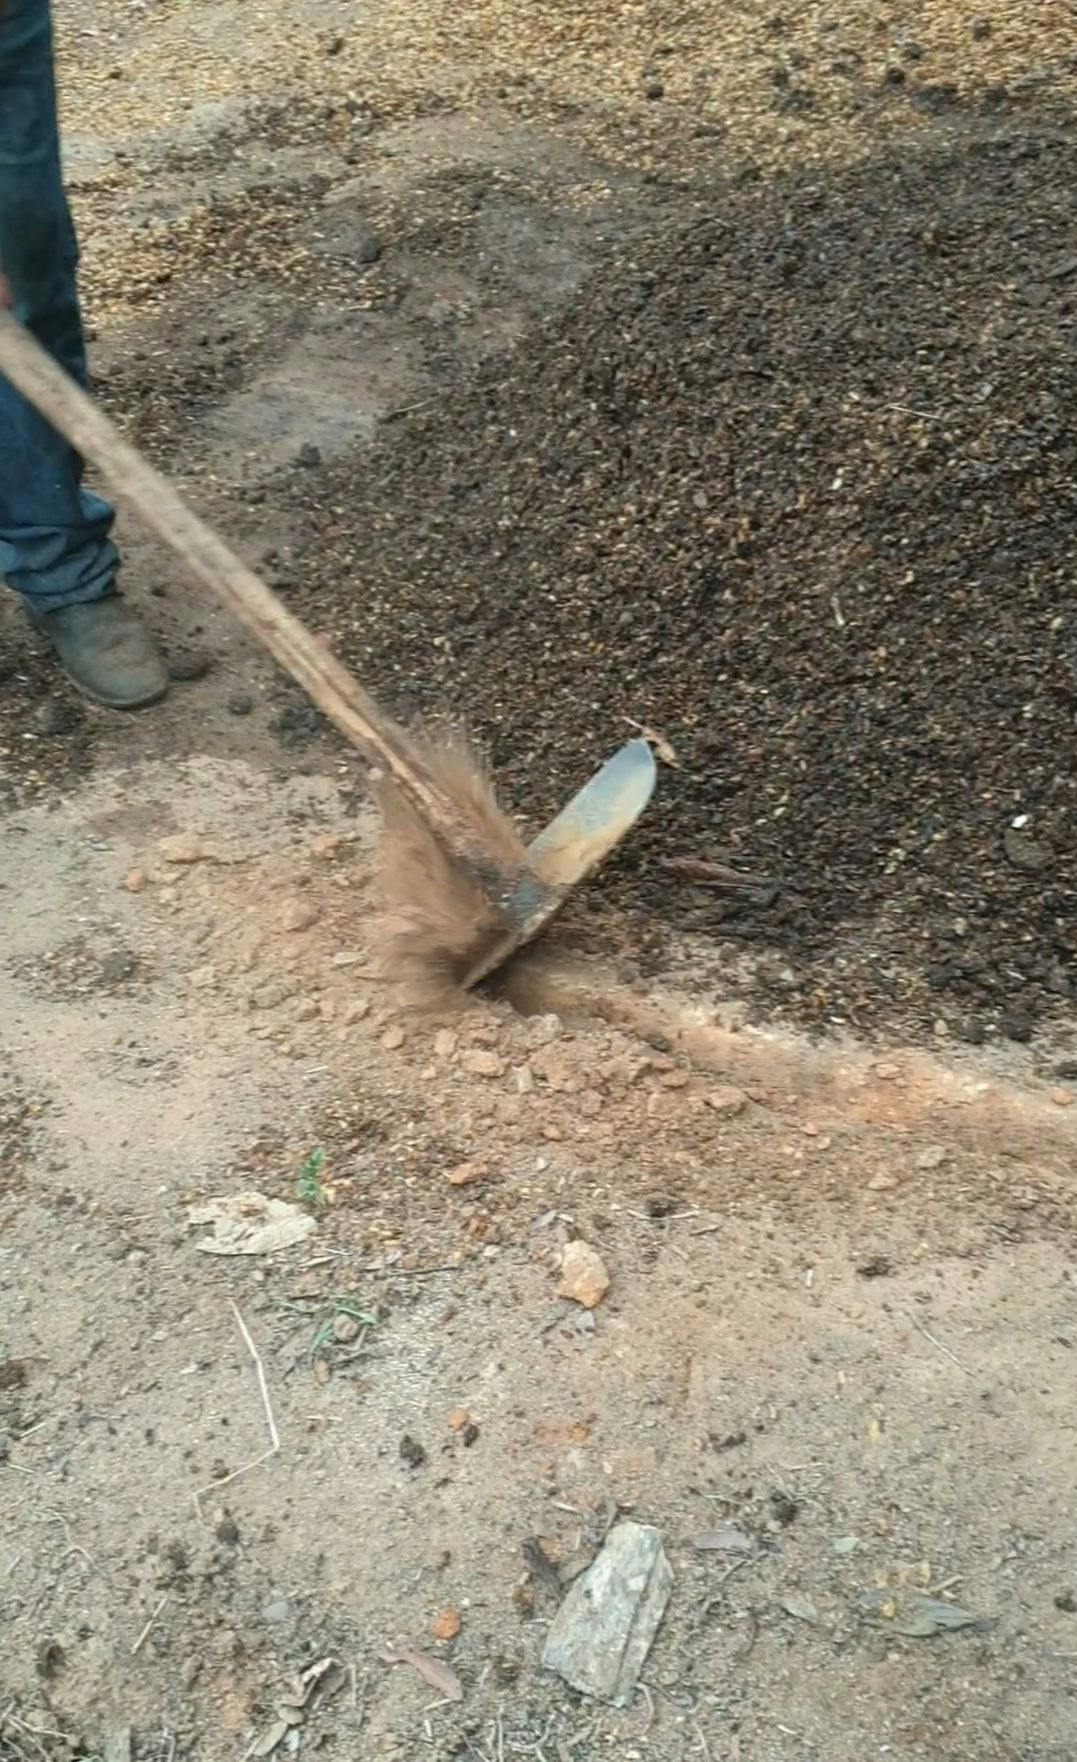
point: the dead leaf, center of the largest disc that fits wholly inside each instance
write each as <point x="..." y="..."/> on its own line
<point x="249" y="1223"/>
<point x="920" y="1617"/>
<point x="663" y="748"/>
<point x="728" y="1538"/>
<point x="270" y="1738"/>
<point x="434" y="1671"/>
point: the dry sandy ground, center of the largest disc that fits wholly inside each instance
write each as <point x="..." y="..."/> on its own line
<point x="842" y="1304"/>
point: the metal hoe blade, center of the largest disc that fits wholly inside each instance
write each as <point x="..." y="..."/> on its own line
<point x="571" y="846"/>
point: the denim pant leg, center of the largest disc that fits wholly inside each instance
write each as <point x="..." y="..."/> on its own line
<point x="54" y="535"/>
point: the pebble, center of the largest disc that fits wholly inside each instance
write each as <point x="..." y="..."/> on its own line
<point x="882" y="1183"/>
<point x="345" y="1329"/>
<point x="888" y="1073"/>
<point x="465" y="1173"/>
<point x="674" y="1080"/>
<point x="479" y="1062"/>
<point x="1016" y="1026"/>
<point x="393" y="1038"/>
<point x="1025" y="853"/>
<point x="188" y="666"/>
<point x="412" y="1452"/>
<point x="654" y="89"/>
<point x="458" y="1419"/>
<point x="444" y="1043"/>
<point x="446" y="1624"/>
<point x="134" y="880"/>
<point x="1061" y="1097"/>
<point x="272" y="993"/>
<point x="277" y="1611"/>
<point x="584" y="1278"/>
<point x="240" y="704"/>
<point x="306" y="1010"/>
<point x="933" y="1157"/>
<point x="182" y="847"/>
<point x="727" y="1101"/>
<point x="355" y="1011"/>
<point x="309" y="455"/>
<point x="298" y="914"/>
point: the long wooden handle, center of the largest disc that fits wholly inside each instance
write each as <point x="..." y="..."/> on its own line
<point x="66" y="406"/>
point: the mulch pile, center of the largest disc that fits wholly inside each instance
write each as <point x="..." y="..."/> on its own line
<point x="796" y="486"/>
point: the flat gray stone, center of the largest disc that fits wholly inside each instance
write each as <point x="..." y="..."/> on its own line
<point x="604" y="1629"/>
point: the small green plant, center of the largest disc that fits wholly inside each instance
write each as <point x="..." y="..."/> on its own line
<point x="307" y="1186"/>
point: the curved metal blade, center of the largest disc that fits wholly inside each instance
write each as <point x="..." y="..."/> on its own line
<point x="571" y="846"/>
<point x="596" y="818"/>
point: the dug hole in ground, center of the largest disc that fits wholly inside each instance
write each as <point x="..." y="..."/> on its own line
<point x="564" y="370"/>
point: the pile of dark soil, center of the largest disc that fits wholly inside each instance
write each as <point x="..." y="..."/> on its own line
<point x="797" y="486"/>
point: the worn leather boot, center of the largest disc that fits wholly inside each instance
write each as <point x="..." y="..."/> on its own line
<point x="106" y="651"/>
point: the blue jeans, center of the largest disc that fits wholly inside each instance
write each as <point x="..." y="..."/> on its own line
<point x="54" y="535"/>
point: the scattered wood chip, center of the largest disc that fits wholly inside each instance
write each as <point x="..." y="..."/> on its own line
<point x="434" y="1671"/>
<point x="663" y="749"/>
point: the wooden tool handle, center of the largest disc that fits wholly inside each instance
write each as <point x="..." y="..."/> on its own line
<point x="66" y="406"/>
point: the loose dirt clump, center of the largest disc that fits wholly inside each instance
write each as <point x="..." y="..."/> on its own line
<point x="794" y="485"/>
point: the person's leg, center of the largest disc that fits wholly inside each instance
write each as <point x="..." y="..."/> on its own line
<point x="55" y="547"/>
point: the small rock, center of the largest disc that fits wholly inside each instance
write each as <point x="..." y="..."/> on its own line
<point x="726" y="1100"/>
<point x="933" y="1157"/>
<point x="444" y="1043"/>
<point x="878" y="1267"/>
<point x="1016" y="1026"/>
<point x="465" y="1173"/>
<point x="1025" y="853"/>
<point x="973" y="1033"/>
<point x="346" y="1329"/>
<point x="1061" y="1097"/>
<point x="55" y="717"/>
<point x="601" y="1635"/>
<point x="393" y="1038"/>
<point x="980" y="28"/>
<point x="182" y="847"/>
<point x="324" y="848"/>
<point x="354" y="1011"/>
<point x="654" y="88"/>
<point x="367" y="245"/>
<point x="412" y="1452"/>
<point x="277" y="1611"/>
<point x="446" y="1624"/>
<point x="186" y="666"/>
<point x="469" y="1434"/>
<point x="478" y="1061"/>
<point x="308" y="455"/>
<point x="674" y="1080"/>
<point x="889" y="1073"/>
<point x="458" y="1419"/>
<point x="1067" y="1602"/>
<point x="134" y="880"/>
<point x="882" y="1183"/>
<point x="203" y="978"/>
<point x="298" y="914"/>
<point x="228" y="1532"/>
<point x="583" y="1275"/>
<point x="784" y="1506"/>
<point x="273" y="993"/>
<point x="306" y="1010"/>
<point x="240" y="704"/>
